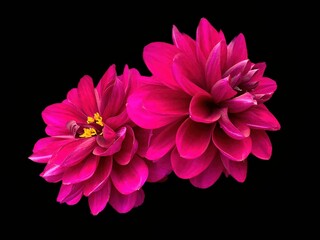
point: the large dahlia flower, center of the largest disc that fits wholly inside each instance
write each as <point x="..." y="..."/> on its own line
<point x="92" y="147"/>
<point x="205" y="105"/>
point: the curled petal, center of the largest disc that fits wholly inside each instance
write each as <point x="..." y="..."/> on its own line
<point x="240" y="103"/>
<point x="222" y="90"/>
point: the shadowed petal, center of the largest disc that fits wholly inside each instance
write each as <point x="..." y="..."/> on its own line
<point x="128" y="148"/>
<point x="265" y="89"/>
<point x="159" y="169"/>
<point x="124" y="203"/>
<point x="140" y="198"/>
<point x="189" y="168"/>
<point x="240" y="103"/>
<point x="70" y="194"/>
<point x="87" y="96"/>
<point x="210" y="175"/>
<point x="99" y="199"/>
<point x="238" y="170"/>
<point x="237" y="150"/>
<point x="130" y="177"/>
<point x="106" y="80"/>
<point x="222" y="90"/>
<point x="193" y="138"/>
<point x="261" y="144"/>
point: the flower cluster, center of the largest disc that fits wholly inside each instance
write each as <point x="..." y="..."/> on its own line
<point x="199" y="115"/>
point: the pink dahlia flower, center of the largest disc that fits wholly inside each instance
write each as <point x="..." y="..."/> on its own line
<point x="205" y="102"/>
<point x="92" y="146"/>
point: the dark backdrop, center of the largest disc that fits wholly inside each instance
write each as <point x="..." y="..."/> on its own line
<point x="51" y="47"/>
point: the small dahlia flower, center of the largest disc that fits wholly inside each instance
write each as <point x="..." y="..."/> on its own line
<point x="205" y="101"/>
<point x="92" y="147"/>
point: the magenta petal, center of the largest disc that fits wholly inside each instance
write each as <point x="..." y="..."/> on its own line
<point x="237" y="150"/>
<point x="99" y="199"/>
<point x="207" y="37"/>
<point x="119" y="120"/>
<point x="203" y="109"/>
<point x="237" y="50"/>
<point x="159" y="169"/>
<point x="265" y="89"/>
<point x="235" y="130"/>
<point x="73" y="98"/>
<point x="115" y="145"/>
<point x="183" y="42"/>
<point x="100" y="176"/>
<point x="193" y="138"/>
<point x="106" y="80"/>
<point x="240" y="103"/>
<point x="158" y="58"/>
<point x="162" y="140"/>
<point x="140" y="198"/>
<point x="87" y="96"/>
<point x="131" y="177"/>
<point x="213" y="66"/>
<point x="82" y="171"/>
<point x="210" y="175"/>
<point x="69" y="193"/>
<point x="128" y="148"/>
<point x="123" y="203"/>
<point x="261" y="144"/>
<point x="146" y="118"/>
<point x="189" y="168"/>
<point x="238" y="170"/>
<point x="222" y="90"/>
<point x="259" y="117"/>
<point x="107" y="138"/>
<point x="143" y="137"/>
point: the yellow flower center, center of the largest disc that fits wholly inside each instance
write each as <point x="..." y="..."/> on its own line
<point x="93" y="130"/>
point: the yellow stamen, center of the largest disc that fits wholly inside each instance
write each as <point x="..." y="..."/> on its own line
<point x="90" y="120"/>
<point x="88" y="132"/>
<point x="98" y="119"/>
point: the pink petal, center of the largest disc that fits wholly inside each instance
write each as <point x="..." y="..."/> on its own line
<point x="189" y="168"/>
<point x="240" y="103"/>
<point x="259" y="117"/>
<point x="203" y="109"/>
<point x="123" y="203"/>
<point x="146" y="118"/>
<point x="261" y="144"/>
<point x="183" y="42"/>
<point x="237" y="150"/>
<point x="162" y="140"/>
<point x="130" y="177"/>
<point x="107" y="138"/>
<point x="238" y="170"/>
<point x="222" y="90"/>
<point x="238" y="69"/>
<point x="99" y="199"/>
<point x="106" y="80"/>
<point x="140" y="198"/>
<point x="234" y="129"/>
<point x="265" y="89"/>
<point x="207" y="37"/>
<point x="237" y="50"/>
<point x="82" y="171"/>
<point x="119" y="120"/>
<point x="193" y="138"/>
<point x="100" y="176"/>
<point x="159" y="169"/>
<point x="73" y="98"/>
<point x="46" y="147"/>
<point x="210" y="175"/>
<point x="87" y="96"/>
<point x="69" y="193"/>
<point x="188" y="75"/>
<point x="128" y="148"/>
<point x="158" y="57"/>
<point x="115" y="145"/>
<point x="143" y="137"/>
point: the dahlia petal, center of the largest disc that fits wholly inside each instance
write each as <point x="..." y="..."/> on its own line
<point x="259" y="117"/>
<point x="115" y="145"/>
<point x="76" y="198"/>
<point x="207" y="37"/>
<point x="222" y="90"/>
<point x="210" y="175"/>
<point x="145" y="118"/>
<point x="203" y="109"/>
<point x="57" y="131"/>
<point x="68" y="193"/>
<point x="237" y="150"/>
<point x="240" y="103"/>
<point x="87" y="96"/>
<point x="140" y="198"/>
<point x="189" y="168"/>
<point x="119" y="120"/>
<point x="193" y="138"/>
<point x="106" y="80"/>
<point x="82" y="171"/>
<point x="265" y="89"/>
<point x="158" y="58"/>
<point x="52" y="172"/>
<point x="231" y="129"/>
<point x="238" y="69"/>
<point x="131" y="177"/>
<point x="143" y="137"/>
<point x="123" y="203"/>
<point x="99" y="199"/>
<point x="261" y="144"/>
<point x="237" y="50"/>
<point x="159" y="169"/>
<point x="107" y="138"/>
<point x="238" y="170"/>
<point x="183" y="42"/>
<point x="182" y="71"/>
<point x="59" y="114"/>
<point x="162" y="140"/>
<point x="100" y="176"/>
<point x="73" y="98"/>
<point x="128" y="148"/>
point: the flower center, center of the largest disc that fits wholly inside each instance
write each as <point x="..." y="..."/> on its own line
<point x="93" y="127"/>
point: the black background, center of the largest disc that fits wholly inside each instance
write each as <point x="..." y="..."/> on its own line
<point x="51" y="47"/>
